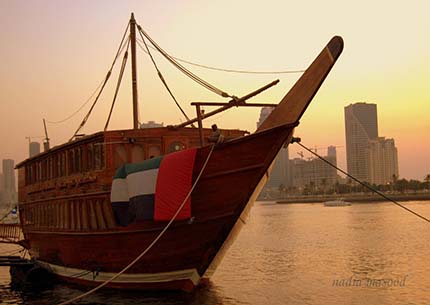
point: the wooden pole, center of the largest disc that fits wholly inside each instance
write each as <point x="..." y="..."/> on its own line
<point x="199" y="118"/>
<point x="133" y="70"/>
<point x="232" y="103"/>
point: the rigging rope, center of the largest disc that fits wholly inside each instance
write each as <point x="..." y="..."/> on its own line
<point x="162" y="78"/>
<point x="80" y="107"/>
<point x="121" y="73"/>
<point x="120" y="49"/>
<point x="6" y="215"/>
<point x="183" y="69"/>
<point x="89" y="99"/>
<point x="151" y="244"/>
<point x="297" y="140"/>
<point x="233" y="70"/>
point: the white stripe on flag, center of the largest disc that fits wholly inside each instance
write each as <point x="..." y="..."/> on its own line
<point x="142" y="183"/>
<point x="119" y="192"/>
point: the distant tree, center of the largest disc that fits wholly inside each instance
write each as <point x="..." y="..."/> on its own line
<point x="324" y="185"/>
<point x="414" y="185"/>
<point x="401" y="185"/>
<point x="427" y="179"/>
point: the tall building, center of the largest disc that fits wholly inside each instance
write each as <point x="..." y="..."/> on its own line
<point x="9" y="175"/>
<point x="264" y="113"/>
<point x="9" y="189"/>
<point x="280" y="170"/>
<point x="369" y="157"/>
<point x="33" y="149"/>
<point x="361" y="126"/>
<point x="280" y="174"/>
<point x="383" y="162"/>
<point x="1" y="183"/>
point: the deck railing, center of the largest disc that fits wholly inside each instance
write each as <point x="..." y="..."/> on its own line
<point x="10" y="233"/>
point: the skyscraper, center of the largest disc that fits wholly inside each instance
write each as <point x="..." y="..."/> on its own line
<point x="264" y="113"/>
<point x="280" y="174"/>
<point x="383" y="162"/>
<point x="33" y="149"/>
<point x="369" y="157"/>
<point x="9" y="175"/>
<point x="1" y="183"/>
<point x="361" y="126"/>
<point x="9" y="189"/>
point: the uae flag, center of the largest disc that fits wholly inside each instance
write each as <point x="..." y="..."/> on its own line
<point x="153" y="189"/>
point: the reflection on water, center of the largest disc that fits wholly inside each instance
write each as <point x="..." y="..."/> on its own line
<point x="299" y="254"/>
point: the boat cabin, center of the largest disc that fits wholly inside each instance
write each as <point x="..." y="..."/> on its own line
<point x="68" y="186"/>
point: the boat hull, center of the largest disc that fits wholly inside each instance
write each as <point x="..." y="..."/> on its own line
<point x="190" y="249"/>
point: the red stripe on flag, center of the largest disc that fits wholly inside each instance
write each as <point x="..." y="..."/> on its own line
<point x="174" y="181"/>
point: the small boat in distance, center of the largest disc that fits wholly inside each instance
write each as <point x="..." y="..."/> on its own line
<point x="90" y="208"/>
<point x="337" y="203"/>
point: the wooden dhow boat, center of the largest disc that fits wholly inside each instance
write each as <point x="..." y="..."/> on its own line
<point x="89" y="207"/>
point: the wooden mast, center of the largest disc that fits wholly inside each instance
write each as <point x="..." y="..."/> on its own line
<point x="133" y="70"/>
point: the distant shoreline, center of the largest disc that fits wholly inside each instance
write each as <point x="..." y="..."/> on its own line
<point x="354" y="198"/>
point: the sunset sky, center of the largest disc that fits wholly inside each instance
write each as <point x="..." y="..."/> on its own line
<point x="55" y="53"/>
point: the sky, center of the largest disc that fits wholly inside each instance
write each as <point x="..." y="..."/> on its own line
<point x="55" y="53"/>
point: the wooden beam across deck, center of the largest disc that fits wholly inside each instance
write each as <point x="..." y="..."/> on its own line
<point x="232" y="103"/>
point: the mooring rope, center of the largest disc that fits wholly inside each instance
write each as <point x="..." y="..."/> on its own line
<point x="297" y="140"/>
<point x="151" y="244"/>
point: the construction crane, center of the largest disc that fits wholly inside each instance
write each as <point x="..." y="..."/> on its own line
<point x="326" y="147"/>
<point x="46" y="142"/>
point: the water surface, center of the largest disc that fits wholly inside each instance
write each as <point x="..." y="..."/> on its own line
<point x="299" y="254"/>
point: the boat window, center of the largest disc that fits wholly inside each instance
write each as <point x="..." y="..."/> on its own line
<point x="55" y="166"/>
<point x="137" y="153"/>
<point x="99" y="155"/>
<point x="90" y="157"/>
<point x="39" y="169"/>
<point x="34" y="178"/>
<point x="33" y="173"/>
<point x="154" y="151"/>
<point x="176" y="146"/>
<point x="71" y="155"/>
<point x="78" y="159"/>
<point x="45" y="170"/>
<point x="27" y="174"/>
<point x="62" y="164"/>
<point x="120" y="157"/>
<point x="84" y="158"/>
<point x="49" y="168"/>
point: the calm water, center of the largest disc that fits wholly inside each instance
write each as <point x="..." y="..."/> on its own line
<point x="301" y="254"/>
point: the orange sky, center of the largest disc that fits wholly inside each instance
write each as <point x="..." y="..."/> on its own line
<point x="55" y="53"/>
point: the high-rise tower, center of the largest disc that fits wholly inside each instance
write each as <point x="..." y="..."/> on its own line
<point x="361" y="126"/>
<point x="280" y="174"/>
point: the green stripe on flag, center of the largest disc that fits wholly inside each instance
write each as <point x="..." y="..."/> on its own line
<point x="120" y="173"/>
<point x="130" y="168"/>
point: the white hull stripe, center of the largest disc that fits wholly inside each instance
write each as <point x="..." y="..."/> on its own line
<point x="126" y="278"/>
